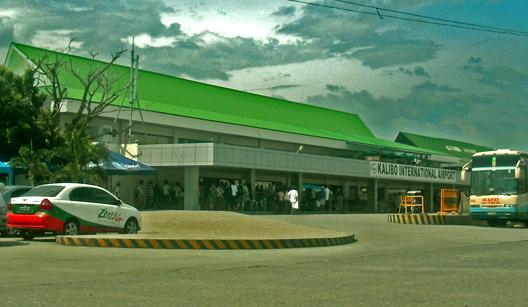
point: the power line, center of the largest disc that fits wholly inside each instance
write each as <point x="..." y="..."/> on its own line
<point x="429" y="17"/>
<point x="459" y="25"/>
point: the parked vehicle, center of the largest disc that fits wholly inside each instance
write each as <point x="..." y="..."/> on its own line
<point x="70" y="209"/>
<point x="3" y="217"/>
<point x="499" y="186"/>
<point x="9" y="192"/>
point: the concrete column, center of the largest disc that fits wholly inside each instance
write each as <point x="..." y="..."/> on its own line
<point x="191" y="188"/>
<point x="430" y="191"/>
<point x="373" y="194"/>
<point x="346" y="190"/>
<point x="252" y="182"/>
<point x="174" y="137"/>
<point x="300" y="185"/>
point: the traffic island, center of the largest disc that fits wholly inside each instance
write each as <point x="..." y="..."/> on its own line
<point x="208" y="230"/>
<point x="434" y="219"/>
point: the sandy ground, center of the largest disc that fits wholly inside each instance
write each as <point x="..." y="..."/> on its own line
<point x="223" y="225"/>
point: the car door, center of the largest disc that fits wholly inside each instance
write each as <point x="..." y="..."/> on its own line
<point x="85" y="204"/>
<point x="109" y="208"/>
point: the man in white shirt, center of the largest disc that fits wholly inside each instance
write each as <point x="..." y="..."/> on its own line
<point x="327" y="196"/>
<point x="234" y="191"/>
<point x="293" y="197"/>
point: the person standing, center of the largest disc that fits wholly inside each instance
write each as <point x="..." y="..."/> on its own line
<point x="340" y="200"/>
<point x="139" y="193"/>
<point x="322" y="199"/>
<point x="165" y="194"/>
<point x="327" y="196"/>
<point x="150" y="195"/>
<point x="117" y="190"/>
<point x="293" y="197"/>
<point x="178" y="193"/>
<point x="234" y="192"/>
<point x="280" y="200"/>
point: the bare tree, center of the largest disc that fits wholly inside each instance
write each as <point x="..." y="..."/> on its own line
<point x="99" y="87"/>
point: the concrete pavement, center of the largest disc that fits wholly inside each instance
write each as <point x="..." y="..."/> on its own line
<point x="390" y="264"/>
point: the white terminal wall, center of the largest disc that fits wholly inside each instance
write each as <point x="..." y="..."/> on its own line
<point x="223" y="155"/>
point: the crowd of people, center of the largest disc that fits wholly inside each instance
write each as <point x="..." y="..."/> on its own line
<point x="225" y="194"/>
<point x="168" y="195"/>
<point x="236" y="196"/>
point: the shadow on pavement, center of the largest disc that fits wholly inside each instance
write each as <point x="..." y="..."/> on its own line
<point x="12" y="243"/>
<point x="47" y="239"/>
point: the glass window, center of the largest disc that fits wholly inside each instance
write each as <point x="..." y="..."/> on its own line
<point x="45" y="191"/>
<point x="80" y="194"/>
<point x="493" y="182"/>
<point x="102" y="197"/>
<point x="17" y="193"/>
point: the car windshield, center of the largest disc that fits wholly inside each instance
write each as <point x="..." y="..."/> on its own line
<point x="45" y="191"/>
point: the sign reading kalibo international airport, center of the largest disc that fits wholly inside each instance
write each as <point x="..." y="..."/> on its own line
<point x="411" y="172"/>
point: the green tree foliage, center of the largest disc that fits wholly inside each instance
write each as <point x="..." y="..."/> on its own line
<point x="20" y="105"/>
<point x="74" y="156"/>
<point x="81" y="156"/>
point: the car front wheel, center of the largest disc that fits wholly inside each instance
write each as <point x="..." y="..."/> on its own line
<point x="131" y="227"/>
<point x="27" y="236"/>
<point x="71" y="228"/>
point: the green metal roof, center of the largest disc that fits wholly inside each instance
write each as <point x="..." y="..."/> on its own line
<point x="177" y="96"/>
<point x="446" y="146"/>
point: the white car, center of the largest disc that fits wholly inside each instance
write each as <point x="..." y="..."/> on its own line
<point x="70" y="209"/>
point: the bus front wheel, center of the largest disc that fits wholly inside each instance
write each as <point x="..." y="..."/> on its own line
<point x="495" y="223"/>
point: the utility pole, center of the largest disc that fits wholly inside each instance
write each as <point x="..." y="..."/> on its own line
<point x="134" y="64"/>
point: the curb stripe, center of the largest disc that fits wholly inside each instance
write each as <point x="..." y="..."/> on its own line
<point x="205" y="244"/>
<point x="201" y="243"/>
<point x="218" y="244"/>
<point x="232" y="244"/>
<point x="426" y="219"/>
<point x="276" y="244"/>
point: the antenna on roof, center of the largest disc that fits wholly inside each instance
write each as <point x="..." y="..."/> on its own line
<point x="133" y="103"/>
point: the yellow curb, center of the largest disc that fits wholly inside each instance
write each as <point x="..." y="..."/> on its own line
<point x="214" y="244"/>
<point x="432" y="219"/>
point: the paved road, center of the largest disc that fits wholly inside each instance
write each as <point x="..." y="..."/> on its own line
<point x="390" y="264"/>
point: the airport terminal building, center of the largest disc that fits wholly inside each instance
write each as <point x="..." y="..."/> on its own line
<point x="196" y="133"/>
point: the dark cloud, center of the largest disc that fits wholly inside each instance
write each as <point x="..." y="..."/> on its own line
<point x="284" y="11"/>
<point x="104" y="26"/>
<point x="416" y="71"/>
<point x="220" y="56"/>
<point x="397" y="53"/>
<point x="100" y="25"/>
<point x="435" y="109"/>
<point x="285" y="86"/>
<point x="500" y="77"/>
<point x="336" y="33"/>
<point x="475" y="61"/>
<point x="433" y="87"/>
<point x="6" y="31"/>
<point x="335" y="88"/>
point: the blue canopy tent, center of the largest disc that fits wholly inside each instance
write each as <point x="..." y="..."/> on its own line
<point x="116" y="164"/>
<point x="6" y="171"/>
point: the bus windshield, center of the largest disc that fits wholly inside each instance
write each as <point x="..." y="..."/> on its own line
<point x="488" y="182"/>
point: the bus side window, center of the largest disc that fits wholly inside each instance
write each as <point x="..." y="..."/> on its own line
<point x="525" y="179"/>
<point x="523" y="182"/>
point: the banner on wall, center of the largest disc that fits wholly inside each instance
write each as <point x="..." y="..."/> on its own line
<point x="411" y="172"/>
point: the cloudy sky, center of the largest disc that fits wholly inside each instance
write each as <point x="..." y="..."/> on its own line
<point x="397" y="75"/>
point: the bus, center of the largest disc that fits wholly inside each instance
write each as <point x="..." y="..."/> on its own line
<point x="499" y="191"/>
